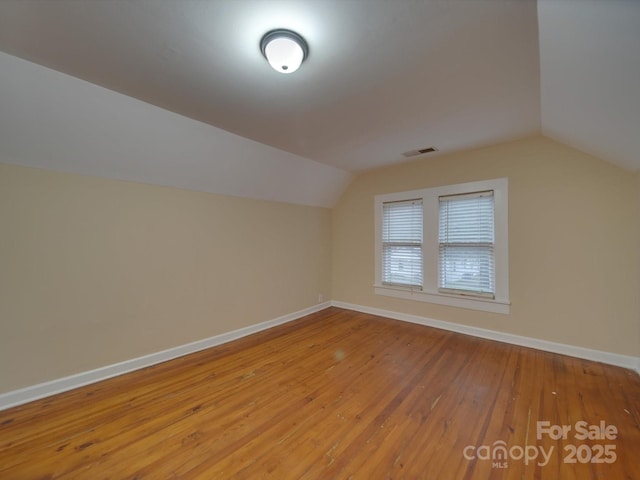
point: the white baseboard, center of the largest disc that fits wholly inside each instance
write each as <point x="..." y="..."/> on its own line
<point x="46" y="389"/>
<point x="625" y="361"/>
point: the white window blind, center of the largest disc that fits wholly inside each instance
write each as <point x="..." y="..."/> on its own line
<point x="402" y="243"/>
<point x="466" y="243"/>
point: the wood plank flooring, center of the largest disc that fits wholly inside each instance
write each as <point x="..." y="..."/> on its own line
<point x="336" y="395"/>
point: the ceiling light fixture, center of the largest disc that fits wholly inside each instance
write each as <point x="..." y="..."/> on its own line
<point x="285" y="50"/>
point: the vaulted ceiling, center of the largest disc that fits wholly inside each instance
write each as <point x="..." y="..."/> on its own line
<point x="382" y="77"/>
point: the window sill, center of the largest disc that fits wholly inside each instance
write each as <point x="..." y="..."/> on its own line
<point x="452" y="300"/>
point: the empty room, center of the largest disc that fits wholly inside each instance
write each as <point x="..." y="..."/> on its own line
<point x="319" y="239"/>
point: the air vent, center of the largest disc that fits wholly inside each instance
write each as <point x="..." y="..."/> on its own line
<point x="420" y="151"/>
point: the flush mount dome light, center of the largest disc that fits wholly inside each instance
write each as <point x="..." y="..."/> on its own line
<point x="284" y="50"/>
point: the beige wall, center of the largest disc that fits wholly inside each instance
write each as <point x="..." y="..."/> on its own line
<point x="95" y="271"/>
<point x="573" y="242"/>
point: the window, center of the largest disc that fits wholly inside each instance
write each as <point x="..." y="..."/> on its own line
<point x="466" y="244"/>
<point x="445" y="245"/>
<point x="402" y="243"/>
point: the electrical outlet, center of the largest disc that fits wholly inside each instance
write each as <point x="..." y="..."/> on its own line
<point x="320" y="298"/>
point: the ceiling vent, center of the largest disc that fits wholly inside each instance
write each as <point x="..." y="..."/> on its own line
<point x="420" y="151"/>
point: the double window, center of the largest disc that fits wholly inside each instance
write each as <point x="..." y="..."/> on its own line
<point x="445" y="245"/>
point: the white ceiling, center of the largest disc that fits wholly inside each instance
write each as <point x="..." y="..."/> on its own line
<point x="54" y="121"/>
<point x="382" y="78"/>
<point x="590" y="69"/>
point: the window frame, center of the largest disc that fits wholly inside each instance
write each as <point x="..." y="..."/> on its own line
<point x="430" y="291"/>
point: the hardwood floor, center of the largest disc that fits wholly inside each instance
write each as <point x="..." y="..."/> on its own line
<point x="336" y="395"/>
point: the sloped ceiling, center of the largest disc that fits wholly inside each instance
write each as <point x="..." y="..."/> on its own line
<point x="590" y="70"/>
<point x="51" y="120"/>
<point x="382" y="78"/>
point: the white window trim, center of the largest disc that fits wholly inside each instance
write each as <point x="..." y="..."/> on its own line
<point x="429" y="292"/>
